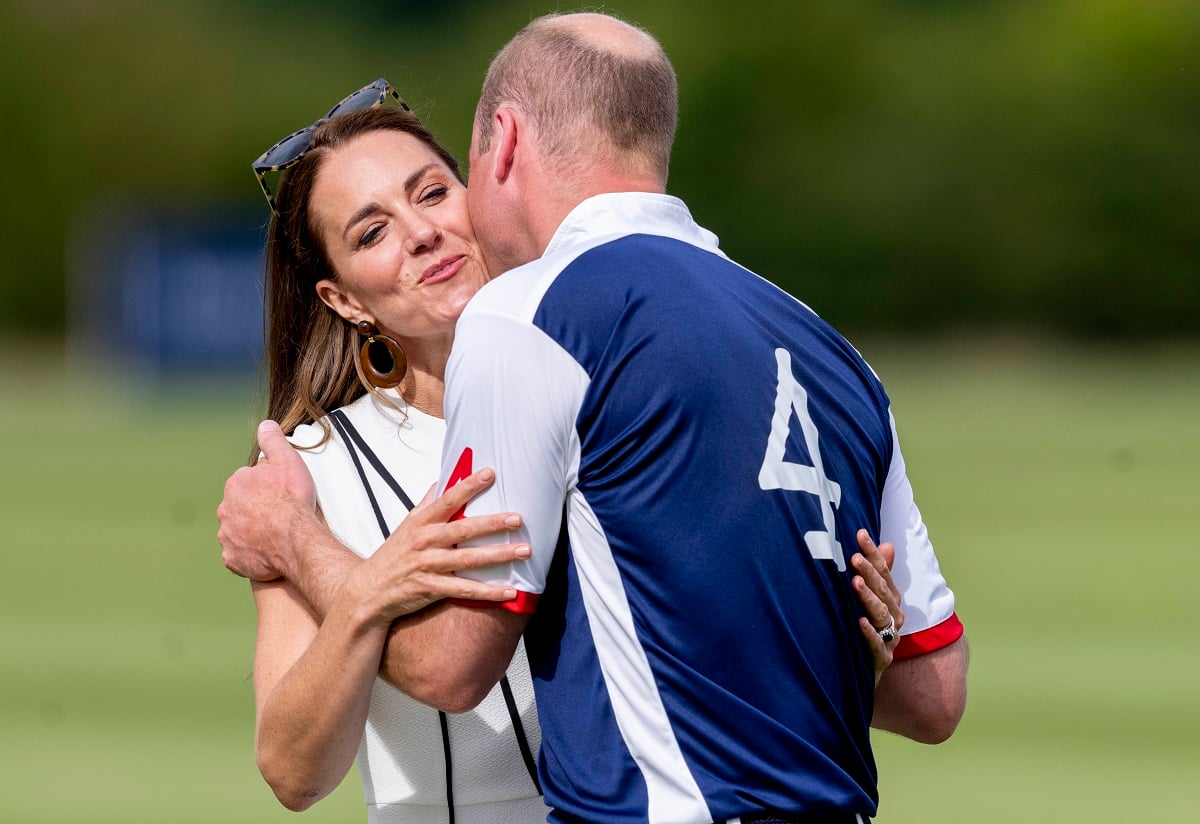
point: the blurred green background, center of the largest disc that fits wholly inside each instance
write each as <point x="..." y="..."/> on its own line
<point x="996" y="200"/>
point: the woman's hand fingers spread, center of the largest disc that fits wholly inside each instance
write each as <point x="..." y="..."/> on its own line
<point x="477" y="526"/>
<point x="475" y="591"/>
<point x="878" y="613"/>
<point x="454" y="499"/>
<point x="881" y="557"/>
<point x="443" y="564"/>
<point x="406" y="582"/>
<point x="475" y="557"/>
<point x="448" y="511"/>
<point x="873" y="580"/>
<point x="873" y="564"/>
<point x="881" y="654"/>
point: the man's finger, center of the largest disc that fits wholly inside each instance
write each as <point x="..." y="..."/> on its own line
<point x="273" y="443"/>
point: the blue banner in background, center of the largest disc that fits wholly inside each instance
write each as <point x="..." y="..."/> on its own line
<point x="173" y="294"/>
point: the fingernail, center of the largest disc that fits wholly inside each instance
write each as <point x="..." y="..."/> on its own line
<point x="523" y="551"/>
<point x="487" y="475"/>
<point x="512" y="520"/>
<point x="510" y="594"/>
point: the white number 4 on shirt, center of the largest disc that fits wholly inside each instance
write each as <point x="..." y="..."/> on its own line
<point x="777" y="473"/>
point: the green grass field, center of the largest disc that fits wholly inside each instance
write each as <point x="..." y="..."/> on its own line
<point x="1060" y="486"/>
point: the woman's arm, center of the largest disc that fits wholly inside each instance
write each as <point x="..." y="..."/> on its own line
<point x="318" y="652"/>
<point x="312" y="687"/>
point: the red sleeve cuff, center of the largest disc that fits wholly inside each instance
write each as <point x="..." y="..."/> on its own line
<point x="524" y="604"/>
<point x="928" y="640"/>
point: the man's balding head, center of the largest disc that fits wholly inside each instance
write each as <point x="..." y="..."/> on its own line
<point x="594" y="88"/>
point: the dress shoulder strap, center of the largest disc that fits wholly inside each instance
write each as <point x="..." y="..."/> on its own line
<point x="355" y="443"/>
<point x="344" y="427"/>
<point x="353" y="438"/>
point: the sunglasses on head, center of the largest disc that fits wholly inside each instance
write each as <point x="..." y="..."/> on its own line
<point x="291" y="149"/>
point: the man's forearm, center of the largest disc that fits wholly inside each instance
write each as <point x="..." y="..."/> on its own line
<point x="443" y="655"/>
<point x="315" y="562"/>
<point x="923" y="698"/>
<point x="449" y="656"/>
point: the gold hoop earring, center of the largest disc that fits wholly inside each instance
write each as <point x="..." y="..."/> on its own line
<point x="382" y="360"/>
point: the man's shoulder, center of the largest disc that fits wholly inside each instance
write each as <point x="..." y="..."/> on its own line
<point x="516" y="293"/>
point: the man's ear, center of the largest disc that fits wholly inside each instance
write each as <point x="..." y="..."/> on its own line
<point x="340" y="301"/>
<point x="510" y="130"/>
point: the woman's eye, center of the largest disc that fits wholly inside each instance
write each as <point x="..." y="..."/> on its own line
<point x="369" y="236"/>
<point x="434" y="193"/>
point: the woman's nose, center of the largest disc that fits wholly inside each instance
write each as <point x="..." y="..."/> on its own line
<point x="423" y="235"/>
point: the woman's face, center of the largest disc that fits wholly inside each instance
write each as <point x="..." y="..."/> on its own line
<point x="394" y="222"/>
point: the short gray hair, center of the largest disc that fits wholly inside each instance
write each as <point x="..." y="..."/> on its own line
<point x="575" y="92"/>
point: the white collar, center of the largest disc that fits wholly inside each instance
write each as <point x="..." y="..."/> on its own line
<point x="624" y="213"/>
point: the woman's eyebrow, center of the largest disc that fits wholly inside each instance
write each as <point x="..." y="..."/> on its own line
<point x="416" y="176"/>
<point x="371" y="208"/>
<point x="363" y="213"/>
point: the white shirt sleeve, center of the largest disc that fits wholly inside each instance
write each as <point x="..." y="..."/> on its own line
<point x="925" y="598"/>
<point x="512" y="397"/>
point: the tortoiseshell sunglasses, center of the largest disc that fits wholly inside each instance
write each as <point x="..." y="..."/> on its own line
<point x="287" y="152"/>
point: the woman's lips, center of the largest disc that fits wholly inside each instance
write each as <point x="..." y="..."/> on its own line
<point x="443" y="270"/>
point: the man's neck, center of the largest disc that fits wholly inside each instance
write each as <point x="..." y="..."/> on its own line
<point x="553" y="212"/>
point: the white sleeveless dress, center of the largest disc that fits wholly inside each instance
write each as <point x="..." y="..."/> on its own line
<point x="409" y="750"/>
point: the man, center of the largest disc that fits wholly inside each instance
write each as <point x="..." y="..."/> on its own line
<point x="691" y="451"/>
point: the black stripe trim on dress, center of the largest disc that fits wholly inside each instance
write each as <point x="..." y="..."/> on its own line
<point x="449" y="776"/>
<point x="351" y="437"/>
<point x="375" y="462"/>
<point x="519" y="729"/>
<point x="343" y="426"/>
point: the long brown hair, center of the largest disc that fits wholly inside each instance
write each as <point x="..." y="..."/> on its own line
<point x="310" y="352"/>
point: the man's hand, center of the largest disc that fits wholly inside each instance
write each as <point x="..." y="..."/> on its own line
<point x="262" y="504"/>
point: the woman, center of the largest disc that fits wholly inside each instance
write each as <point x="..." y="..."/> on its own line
<point x="405" y="267"/>
<point x="370" y="234"/>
